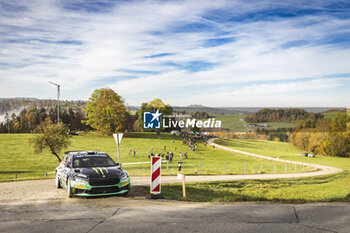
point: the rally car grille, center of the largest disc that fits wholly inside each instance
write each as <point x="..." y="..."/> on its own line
<point x="103" y="181"/>
<point x="104" y="190"/>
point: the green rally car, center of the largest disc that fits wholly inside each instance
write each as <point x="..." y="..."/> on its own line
<point x="91" y="173"/>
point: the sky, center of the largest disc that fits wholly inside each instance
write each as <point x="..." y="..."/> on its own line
<point x="222" y="53"/>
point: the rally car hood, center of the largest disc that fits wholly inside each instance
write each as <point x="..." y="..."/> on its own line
<point x="95" y="172"/>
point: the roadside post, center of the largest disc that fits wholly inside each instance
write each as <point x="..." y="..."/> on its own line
<point x="182" y="176"/>
<point x="167" y="166"/>
<point x="155" y="177"/>
<point x="118" y="138"/>
<point x="180" y="165"/>
<point x="183" y="186"/>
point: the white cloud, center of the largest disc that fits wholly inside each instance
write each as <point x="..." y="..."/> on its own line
<point x="287" y="88"/>
<point x="119" y="39"/>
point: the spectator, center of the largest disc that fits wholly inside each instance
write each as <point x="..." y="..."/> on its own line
<point x="171" y="156"/>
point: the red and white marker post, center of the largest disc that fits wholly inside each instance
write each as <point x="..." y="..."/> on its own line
<point x="155" y="174"/>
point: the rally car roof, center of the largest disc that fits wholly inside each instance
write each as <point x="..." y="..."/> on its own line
<point x="85" y="153"/>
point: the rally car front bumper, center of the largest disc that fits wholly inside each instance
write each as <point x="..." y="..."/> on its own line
<point x="81" y="188"/>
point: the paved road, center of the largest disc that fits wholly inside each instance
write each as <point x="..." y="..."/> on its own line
<point x="37" y="206"/>
<point x="117" y="214"/>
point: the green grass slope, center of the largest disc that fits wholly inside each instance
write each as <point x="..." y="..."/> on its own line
<point x="17" y="156"/>
<point x="232" y="122"/>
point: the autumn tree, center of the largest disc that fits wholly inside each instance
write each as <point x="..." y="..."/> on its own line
<point x="338" y="140"/>
<point x="153" y="106"/>
<point x="106" y="111"/>
<point x="52" y="137"/>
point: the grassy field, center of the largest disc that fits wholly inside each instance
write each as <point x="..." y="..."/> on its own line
<point x="317" y="189"/>
<point x="17" y="156"/>
<point x="330" y="115"/>
<point x="262" y="147"/>
<point x="232" y="122"/>
<point x="276" y="125"/>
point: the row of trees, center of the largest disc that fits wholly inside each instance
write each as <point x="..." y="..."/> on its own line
<point x="12" y="104"/>
<point x="105" y="111"/>
<point x="326" y="137"/>
<point x="282" y="115"/>
<point x="279" y="134"/>
<point x="28" y="120"/>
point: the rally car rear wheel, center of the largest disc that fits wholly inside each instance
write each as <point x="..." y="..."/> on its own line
<point x="58" y="182"/>
<point x="69" y="188"/>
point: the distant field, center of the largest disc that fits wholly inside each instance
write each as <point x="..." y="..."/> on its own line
<point x="232" y="122"/>
<point x="312" y="189"/>
<point x="17" y="156"/>
<point x="330" y="115"/>
<point x="276" y="125"/>
<point x="263" y="147"/>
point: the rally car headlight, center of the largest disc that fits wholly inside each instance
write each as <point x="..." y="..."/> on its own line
<point x="124" y="175"/>
<point x="81" y="178"/>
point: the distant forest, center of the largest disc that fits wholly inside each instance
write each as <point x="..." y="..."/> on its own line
<point x="27" y="120"/>
<point x="282" y="115"/>
<point x="10" y="105"/>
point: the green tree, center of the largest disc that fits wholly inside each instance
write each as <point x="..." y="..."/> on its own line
<point x="106" y="111"/>
<point x="339" y="123"/>
<point x="151" y="106"/>
<point x="52" y="137"/>
<point x="338" y="141"/>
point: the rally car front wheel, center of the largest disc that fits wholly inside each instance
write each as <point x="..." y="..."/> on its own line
<point x="69" y="188"/>
<point x="58" y="182"/>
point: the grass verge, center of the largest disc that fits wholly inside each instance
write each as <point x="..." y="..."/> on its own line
<point x="332" y="188"/>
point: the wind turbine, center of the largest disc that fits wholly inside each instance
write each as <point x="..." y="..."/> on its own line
<point x="58" y="101"/>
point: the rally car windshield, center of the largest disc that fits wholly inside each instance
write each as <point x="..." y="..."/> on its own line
<point x="93" y="162"/>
